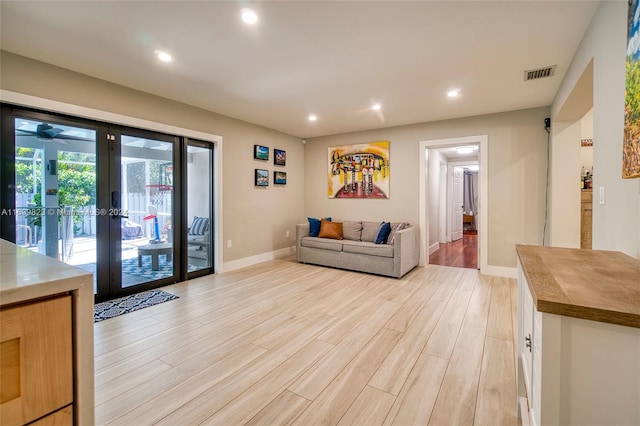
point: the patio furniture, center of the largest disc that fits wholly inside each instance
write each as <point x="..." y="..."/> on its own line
<point x="155" y="250"/>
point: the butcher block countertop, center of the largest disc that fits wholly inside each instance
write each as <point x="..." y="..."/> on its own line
<point x="595" y="285"/>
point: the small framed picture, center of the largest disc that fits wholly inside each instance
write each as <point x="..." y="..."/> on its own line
<point x="260" y="152"/>
<point x="261" y="177"/>
<point x="279" y="157"/>
<point x="279" y="178"/>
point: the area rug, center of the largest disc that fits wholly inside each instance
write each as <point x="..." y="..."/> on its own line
<point x="124" y="305"/>
<point x="165" y="269"/>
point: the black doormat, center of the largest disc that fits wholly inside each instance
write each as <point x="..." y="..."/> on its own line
<point x="124" y="305"/>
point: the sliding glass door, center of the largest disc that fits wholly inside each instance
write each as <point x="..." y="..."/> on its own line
<point x="131" y="206"/>
<point x="147" y="209"/>
<point x="53" y="209"/>
<point x="199" y="195"/>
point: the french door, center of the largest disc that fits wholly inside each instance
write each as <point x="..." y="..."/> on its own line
<point x="138" y="212"/>
<point x="105" y="198"/>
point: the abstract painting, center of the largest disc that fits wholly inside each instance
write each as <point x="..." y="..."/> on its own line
<point x="359" y="171"/>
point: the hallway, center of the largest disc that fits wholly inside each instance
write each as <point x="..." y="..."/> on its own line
<point x="462" y="253"/>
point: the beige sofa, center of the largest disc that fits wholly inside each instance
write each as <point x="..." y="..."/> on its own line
<point x="358" y="252"/>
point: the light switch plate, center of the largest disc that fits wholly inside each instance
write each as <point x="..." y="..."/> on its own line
<point x="602" y="195"/>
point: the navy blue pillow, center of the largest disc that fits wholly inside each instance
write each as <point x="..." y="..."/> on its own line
<point x="383" y="233"/>
<point x="314" y="226"/>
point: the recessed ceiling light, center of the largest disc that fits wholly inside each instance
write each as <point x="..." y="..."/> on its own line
<point x="163" y="56"/>
<point x="376" y="107"/>
<point x="453" y="93"/>
<point x="249" y="16"/>
<point x="312" y="117"/>
<point x="464" y="150"/>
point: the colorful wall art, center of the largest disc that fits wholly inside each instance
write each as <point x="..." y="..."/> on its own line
<point x="359" y="171"/>
<point x="631" y="142"/>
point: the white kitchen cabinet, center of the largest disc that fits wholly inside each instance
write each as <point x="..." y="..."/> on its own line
<point x="578" y="337"/>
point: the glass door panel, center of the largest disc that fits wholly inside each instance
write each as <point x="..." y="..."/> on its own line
<point x="55" y="191"/>
<point x="145" y="210"/>
<point x="199" y="206"/>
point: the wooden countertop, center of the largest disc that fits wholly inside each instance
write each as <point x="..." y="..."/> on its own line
<point x="595" y="285"/>
<point x="25" y="275"/>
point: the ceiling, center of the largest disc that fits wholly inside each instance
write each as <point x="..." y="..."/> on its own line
<point x="333" y="59"/>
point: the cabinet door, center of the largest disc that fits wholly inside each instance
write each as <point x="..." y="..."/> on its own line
<point x="36" y="372"/>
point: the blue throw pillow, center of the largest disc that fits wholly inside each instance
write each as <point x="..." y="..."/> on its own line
<point x="383" y="233"/>
<point x="314" y="226"/>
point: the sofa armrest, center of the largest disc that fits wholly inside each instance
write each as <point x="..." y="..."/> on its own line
<point x="406" y="250"/>
<point x="302" y="230"/>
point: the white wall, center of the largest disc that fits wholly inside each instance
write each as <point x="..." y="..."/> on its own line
<point x="616" y="224"/>
<point x="433" y="170"/>
<point x="564" y="197"/>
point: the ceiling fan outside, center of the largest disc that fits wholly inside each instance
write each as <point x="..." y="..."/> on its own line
<point x="45" y="132"/>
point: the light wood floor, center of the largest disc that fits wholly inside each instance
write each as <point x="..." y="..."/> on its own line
<point x="287" y="343"/>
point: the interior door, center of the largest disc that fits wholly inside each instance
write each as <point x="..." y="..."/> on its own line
<point x="458" y="189"/>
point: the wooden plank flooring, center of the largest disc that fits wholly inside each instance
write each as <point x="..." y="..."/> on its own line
<point x="287" y="343"/>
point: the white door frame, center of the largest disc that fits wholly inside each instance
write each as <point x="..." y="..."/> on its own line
<point x="483" y="141"/>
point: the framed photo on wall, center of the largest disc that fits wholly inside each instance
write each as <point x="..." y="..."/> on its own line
<point x="261" y="177"/>
<point x="260" y="152"/>
<point x="279" y="157"/>
<point x="279" y="178"/>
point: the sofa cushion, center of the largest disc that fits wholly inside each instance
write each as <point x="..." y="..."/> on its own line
<point x="372" y="249"/>
<point x="331" y="230"/>
<point x="352" y="230"/>
<point x="370" y="231"/>
<point x="383" y="233"/>
<point x="321" y="243"/>
<point x="199" y="225"/>
<point x="395" y="227"/>
<point x="314" y="226"/>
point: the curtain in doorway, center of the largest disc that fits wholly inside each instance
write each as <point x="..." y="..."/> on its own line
<point x="470" y="200"/>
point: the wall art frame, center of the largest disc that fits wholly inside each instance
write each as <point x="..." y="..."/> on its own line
<point x="261" y="152"/>
<point x="261" y="177"/>
<point x="279" y="178"/>
<point x="279" y="157"/>
<point x="359" y="171"/>
<point x="631" y="135"/>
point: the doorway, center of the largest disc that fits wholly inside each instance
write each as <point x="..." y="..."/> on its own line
<point x="457" y="245"/>
<point x="104" y="198"/>
<point x="436" y="164"/>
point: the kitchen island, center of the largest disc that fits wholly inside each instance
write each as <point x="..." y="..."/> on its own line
<point x="46" y="311"/>
<point x="578" y="350"/>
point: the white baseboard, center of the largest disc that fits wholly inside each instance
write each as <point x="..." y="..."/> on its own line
<point x="258" y="258"/>
<point x="434" y="247"/>
<point x="500" y="271"/>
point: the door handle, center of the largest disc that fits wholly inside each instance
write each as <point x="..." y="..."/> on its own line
<point x="115" y="204"/>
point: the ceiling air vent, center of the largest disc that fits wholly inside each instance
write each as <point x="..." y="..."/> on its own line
<point x="539" y="73"/>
